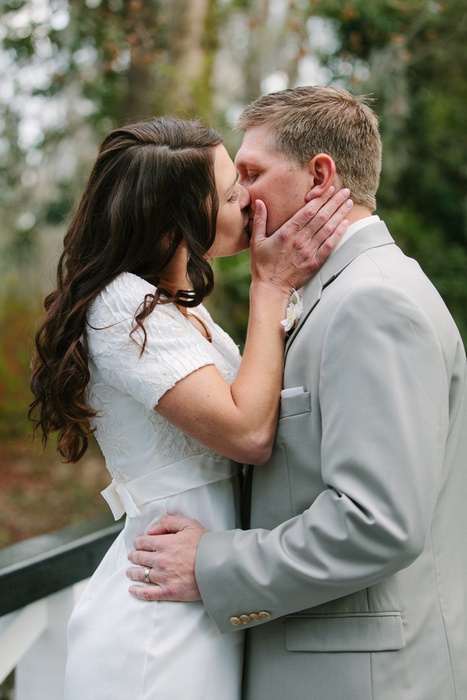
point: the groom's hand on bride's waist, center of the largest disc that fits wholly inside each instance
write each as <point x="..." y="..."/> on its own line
<point x="164" y="560"/>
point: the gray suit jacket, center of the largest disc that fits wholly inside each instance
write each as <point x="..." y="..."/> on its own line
<point x="357" y="556"/>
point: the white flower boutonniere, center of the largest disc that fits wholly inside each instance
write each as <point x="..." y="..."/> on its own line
<point x="294" y="311"/>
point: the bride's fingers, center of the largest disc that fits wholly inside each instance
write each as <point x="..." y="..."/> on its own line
<point x="315" y="214"/>
<point x="321" y="234"/>
<point x="333" y="228"/>
<point x="322" y="198"/>
<point x="329" y="242"/>
<point x="325" y="207"/>
<point x="258" y="229"/>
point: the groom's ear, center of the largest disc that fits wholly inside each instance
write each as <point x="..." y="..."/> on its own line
<point x="322" y="171"/>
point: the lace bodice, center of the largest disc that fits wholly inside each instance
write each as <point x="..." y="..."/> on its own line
<point x="126" y="386"/>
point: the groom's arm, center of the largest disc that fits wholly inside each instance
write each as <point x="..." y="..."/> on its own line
<point x="385" y="420"/>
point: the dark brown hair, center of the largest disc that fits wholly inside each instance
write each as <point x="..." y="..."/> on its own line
<point x="151" y="188"/>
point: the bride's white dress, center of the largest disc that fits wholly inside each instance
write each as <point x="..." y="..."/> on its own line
<point x="121" y="648"/>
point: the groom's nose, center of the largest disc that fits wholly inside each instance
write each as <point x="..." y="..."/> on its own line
<point x="245" y="199"/>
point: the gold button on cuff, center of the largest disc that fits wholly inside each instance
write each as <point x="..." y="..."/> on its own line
<point x="245" y="619"/>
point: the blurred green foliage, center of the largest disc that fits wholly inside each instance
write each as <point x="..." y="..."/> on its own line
<point x="16" y="332"/>
<point x="416" y="71"/>
<point x="105" y="61"/>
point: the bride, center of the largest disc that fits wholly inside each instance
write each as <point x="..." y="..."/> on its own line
<point x="128" y="351"/>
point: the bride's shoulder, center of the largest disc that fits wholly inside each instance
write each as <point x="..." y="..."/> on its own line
<point x="121" y="298"/>
<point x="125" y="291"/>
<point x="129" y="284"/>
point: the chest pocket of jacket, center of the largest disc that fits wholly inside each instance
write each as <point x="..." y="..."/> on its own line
<point x="295" y="405"/>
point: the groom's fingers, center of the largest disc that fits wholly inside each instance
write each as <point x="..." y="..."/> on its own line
<point x="147" y="590"/>
<point x="146" y="556"/>
<point x="142" y="574"/>
<point x="148" y="593"/>
<point x="171" y="524"/>
<point x="168" y="524"/>
<point x="167" y="560"/>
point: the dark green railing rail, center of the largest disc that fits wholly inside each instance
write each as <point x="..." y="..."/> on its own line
<point x="43" y="565"/>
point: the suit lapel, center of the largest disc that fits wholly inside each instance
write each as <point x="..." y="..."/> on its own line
<point x="372" y="236"/>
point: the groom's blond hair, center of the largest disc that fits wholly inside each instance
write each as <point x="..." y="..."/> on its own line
<point x="308" y="120"/>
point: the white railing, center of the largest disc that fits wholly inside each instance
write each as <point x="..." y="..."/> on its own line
<point x="33" y="642"/>
<point x="40" y="581"/>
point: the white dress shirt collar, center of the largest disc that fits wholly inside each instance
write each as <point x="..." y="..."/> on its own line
<point x="353" y="228"/>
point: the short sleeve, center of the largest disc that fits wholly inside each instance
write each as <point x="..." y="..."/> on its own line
<point x="174" y="349"/>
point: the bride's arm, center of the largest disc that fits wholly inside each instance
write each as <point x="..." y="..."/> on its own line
<point x="239" y="420"/>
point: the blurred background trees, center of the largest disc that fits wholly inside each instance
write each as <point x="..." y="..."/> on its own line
<point x="71" y="70"/>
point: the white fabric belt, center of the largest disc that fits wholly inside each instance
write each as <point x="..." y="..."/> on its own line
<point x="187" y="474"/>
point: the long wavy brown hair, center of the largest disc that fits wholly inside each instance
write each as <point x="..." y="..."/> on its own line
<point x="151" y="188"/>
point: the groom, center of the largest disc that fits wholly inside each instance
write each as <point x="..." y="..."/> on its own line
<point x="352" y="579"/>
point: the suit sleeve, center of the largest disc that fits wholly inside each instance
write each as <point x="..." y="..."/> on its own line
<point x="383" y="398"/>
